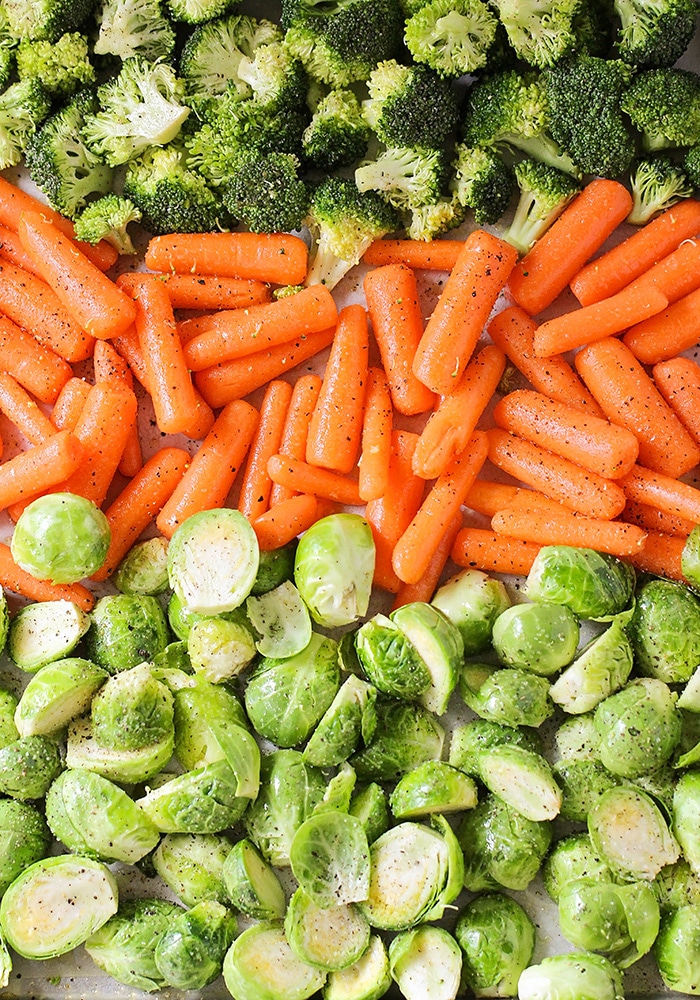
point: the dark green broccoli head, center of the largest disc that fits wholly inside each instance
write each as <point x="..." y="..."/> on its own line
<point x="453" y="37"/>
<point x="266" y="193"/>
<point x="544" y="194"/>
<point x="593" y="26"/>
<point x="664" y="105"/>
<point x="654" y="33"/>
<point x="409" y="105"/>
<point x="482" y="182"/>
<point x="61" y="67"/>
<point x="107" y="219"/>
<point x="23" y="106"/>
<point x="691" y="165"/>
<point x="540" y="31"/>
<point x="406" y="178"/>
<point x="127" y="28"/>
<point x="46" y="19"/>
<point x="657" y="183"/>
<point x="338" y="133"/>
<point x="212" y="54"/>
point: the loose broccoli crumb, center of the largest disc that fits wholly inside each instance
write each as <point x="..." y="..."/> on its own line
<point x="657" y="183"/>
<point x="61" y="67"/>
<point x="453" y="37"/>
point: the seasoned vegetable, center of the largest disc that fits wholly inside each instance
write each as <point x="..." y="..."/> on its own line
<point x="538" y="637"/>
<point x="497" y="939"/>
<point x="592" y="584"/>
<point x="43" y="632"/>
<point x="125" y="630"/>
<point x="61" y="537"/>
<point x="472" y="601"/>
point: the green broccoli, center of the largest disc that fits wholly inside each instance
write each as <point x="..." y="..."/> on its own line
<point x="593" y="26"/>
<point x="583" y="94"/>
<point x="337" y="134"/>
<point x="654" y="33"/>
<point x="544" y="194"/>
<point x="23" y="106"/>
<point x="277" y="79"/>
<point x="140" y="107"/>
<point x="664" y="105"/>
<point x="60" y="163"/>
<point x="343" y="222"/>
<point x="453" y="37"/>
<point x="540" y="31"/>
<point x="427" y="222"/>
<point x="128" y="28"/>
<point x="198" y="11"/>
<point x="409" y="105"/>
<point x="482" y="182"/>
<point x="266" y="193"/>
<point x="407" y="178"/>
<point x="46" y="19"/>
<point x="171" y="197"/>
<point x="61" y="67"/>
<point x="657" y="183"/>
<point x="107" y="219"/>
<point x="213" y="52"/>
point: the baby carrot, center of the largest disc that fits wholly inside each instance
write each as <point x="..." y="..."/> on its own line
<point x="256" y="484"/>
<point x="588" y="441"/>
<point x="275" y="257"/>
<point x="656" y="521"/>
<point x="417" y="545"/>
<point x="424" y="588"/>
<point x="11" y="249"/>
<point x="660" y="554"/>
<point x="69" y="405"/>
<point x="581" y="229"/>
<point x="549" y="527"/>
<point x="629" y="398"/>
<point x="37" y="368"/>
<point x="514" y="332"/>
<point x="663" y="492"/>
<point x="213" y="469"/>
<point x="462" y="310"/>
<point x="37" y="469"/>
<point x="140" y="502"/>
<point x="283" y="522"/>
<point x="375" y="453"/>
<point x="296" y="427"/>
<point x="452" y="423"/>
<point x="435" y="255"/>
<point x="486" y="496"/>
<point x="109" y="364"/>
<point x="391" y="293"/>
<point x="13" y="578"/>
<point x="678" y="381"/>
<point x="23" y="410"/>
<point x="305" y="478"/>
<point x="209" y="291"/>
<point x="675" y="275"/>
<point x="479" y="548"/>
<point x="608" y="274"/>
<point x="335" y="429"/>
<point x="668" y="333"/>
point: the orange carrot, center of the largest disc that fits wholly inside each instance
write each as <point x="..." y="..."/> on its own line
<point x="451" y="425"/>
<point x="11" y="249"/>
<point x="424" y="588"/>
<point x="581" y="229"/>
<point x="140" y="502"/>
<point x="462" y="310"/>
<point x="436" y="255"/>
<point x="608" y="274"/>
<point x="96" y="303"/>
<point x="678" y="381"/>
<point x="660" y="554"/>
<point x="663" y="492"/>
<point x="283" y="522"/>
<point x="256" y="484"/>
<point x="479" y="548"/>
<point x="305" y="478"/>
<point x="599" y="320"/>
<point x="416" y="546"/>
<point x="108" y="364"/>
<point x="487" y="497"/>
<point x="656" y="521"/>
<point x="667" y="334"/>
<point x="13" y="578"/>
<point x="629" y="398"/>
<point x="588" y="441"/>
<point x="234" y="379"/>
<point x="23" y="410"/>
<point x="514" y="332"/>
<point x="213" y="469"/>
<point x="37" y="368"/>
<point x="675" y="275"/>
<point x="275" y="257"/>
<point x="335" y="429"/>
<point x="69" y="405"/>
<point x="208" y="291"/>
<point x="550" y="527"/>
<point x="296" y="428"/>
<point x="375" y="453"/>
<point x="37" y="469"/>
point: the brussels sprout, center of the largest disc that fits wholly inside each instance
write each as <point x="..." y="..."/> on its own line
<point x="538" y="637"/>
<point x="577" y="738"/>
<point x="344" y="724"/>
<point x="333" y="569"/>
<point x="125" y="946"/>
<point x="472" y="601"/>
<point x="639" y="727"/>
<point x="132" y="710"/>
<point x="426" y="962"/>
<point x="144" y="569"/>
<point x="455" y="869"/>
<point x="28" y="766"/>
<point x="591" y="584"/>
<point x="329" y="856"/>
<point x="659" y="784"/>
<point x="690" y="558"/>
<point x="630" y="833"/>
<point x="665" y="631"/>
<point x="124" y="766"/>
<point x="621" y="921"/>
<point x="4" y="620"/>
<point x="572" y="858"/>
<point x="406" y="736"/>
<point x="523" y="779"/>
<point x="390" y="659"/>
<point x="469" y="741"/>
<point x="327" y="938"/>
<point x="126" y="629"/>
<point x="282" y="620"/>
<point x="56" y="904"/>
<point x="677" y="949"/>
<point x="602" y="668"/>
<point x="289" y="792"/>
<point x="676" y="885"/>
<point x="439" y="644"/>
<point x="220" y="649"/>
<point x="275" y="566"/>
<point x="94" y="817"/>
<point x="24" y="839"/>
<point x="497" y="939"/>
<point x="242" y="755"/>
<point x="57" y="693"/>
<point x="190" y="953"/>
<point x="686" y="817"/>
<point x="251" y="884"/>
<point x="582" y="782"/>
<point x="432" y="787"/>
<point x="573" y="976"/>
<point x="8" y="706"/>
<point x="367" y="979"/>
<point x="371" y="807"/>
<point x="192" y="865"/>
<point x="61" y="537"/>
<point x="171" y="664"/>
<point x="505" y="695"/>
<point x="689" y="698"/>
<point x="260" y="965"/>
<point x="5" y="964"/>
<point x="285" y="699"/>
<point x="338" y="793"/>
<point x="46" y="631"/>
<point x="202" y="710"/>
<point x="501" y="847"/>
<point x="348" y="660"/>
<point x="205" y="800"/>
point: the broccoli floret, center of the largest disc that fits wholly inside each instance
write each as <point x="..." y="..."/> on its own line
<point x="544" y="194"/>
<point x="343" y="222"/>
<point x="171" y="197"/>
<point x="212" y="54"/>
<point x="60" y="163"/>
<point x="198" y="11"/>
<point x="453" y="37"/>
<point x="654" y="33"/>
<point x="266" y="193"/>
<point x="483" y="182"/>
<point x="47" y="19"/>
<point x="583" y="94"/>
<point x="61" y="67"/>
<point x="140" y="107"/>
<point x="409" y="105"/>
<point x="341" y="41"/>
<point x="593" y="26"/>
<point x="107" y="219"/>
<point x="430" y="221"/>
<point x="23" y="106"/>
<point x="540" y="31"/>
<point x="338" y="133"/>
<point x="127" y="28"/>
<point x="664" y="105"/>
<point x="406" y="178"/>
<point x="657" y="183"/>
<point x="275" y="77"/>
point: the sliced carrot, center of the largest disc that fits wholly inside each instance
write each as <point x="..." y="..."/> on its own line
<point x="660" y="554"/>
<point x="479" y="548"/>
<point x="69" y="405"/>
<point x="663" y="492"/>
<point x="208" y="291"/>
<point x="667" y="334"/>
<point x="549" y="527"/>
<point x="283" y="522"/>
<point x="375" y="453"/>
<point x="678" y="381"/>
<point x="37" y="368"/>
<point x="435" y="255"/>
<point x="305" y="478"/>
<point x="24" y="411"/>
<point x="275" y="257"/>
<point x="424" y="588"/>
<point x="296" y="428"/>
<point x="13" y="578"/>
<point x="656" y="521"/>
<point x="256" y="485"/>
<point x="37" y="469"/>
<point x="109" y="364"/>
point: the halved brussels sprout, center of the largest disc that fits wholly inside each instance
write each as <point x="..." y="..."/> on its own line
<point x="46" y="631"/>
<point x="24" y="839"/>
<point x="497" y="939"/>
<point x="205" y="800"/>
<point x="144" y="569"/>
<point x="472" y="601"/>
<point x="639" y="727"/>
<point x="125" y="946"/>
<point x="665" y="631"/>
<point x="538" y="637"/>
<point x="573" y="976"/>
<point x="582" y="782"/>
<point x="338" y="793"/>
<point x="282" y="620"/>
<point x="690" y="558"/>
<point x="276" y="566"/>
<point x="689" y="698"/>
<point x="349" y="718"/>
<point x="572" y="858"/>
<point x="327" y="938"/>
<point x="8" y="706"/>
<point x="213" y="561"/>
<point x="28" y="766"/>
<point x="220" y="649"/>
<point x="591" y="584"/>
<point x="630" y="833"/>
<point x="57" y="693"/>
<point x="390" y="660"/>
<point x="367" y="979"/>
<point x="426" y="962"/>
<point x="329" y="856"/>
<point x="439" y="644"/>
<point x="128" y="767"/>
<point x="132" y="710"/>
<point x="577" y="738"/>
<point x="60" y="537"/>
<point x="125" y="630"/>
<point x="523" y="779"/>
<point x="371" y="807"/>
<point x="686" y="817"/>
<point x="676" y="885"/>
<point x="333" y="569"/>
<point x="602" y="668"/>
<point x="190" y="953"/>
<point x="501" y="847"/>
<point x="470" y="740"/>
<point x="677" y="949"/>
<point x="406" y="736"/>
<point x="192" y="865"/>
<point x="506" y="695"/>
<point x="251" y="884"/>
<point x="171" y="664"/>
<point x="202" y="710"/>
<point x="432" y="787"/>
<point x="260" y="965"/>
<point x="56" y="904"/>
